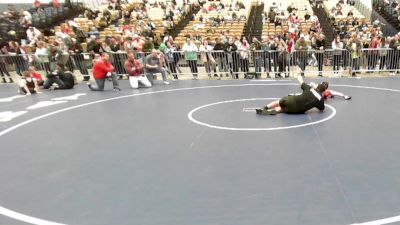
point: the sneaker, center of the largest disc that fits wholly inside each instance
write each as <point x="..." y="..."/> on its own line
<point x="89" y="85"/>
<point x="117" y="89"/>
<point x="270" y="112"/>
<point x="11" y="80"/>
<point x="166" y="82"/>
<point x="347" y="97"/>
<point x="391" y="74"/>
<point x="259" y="111"/>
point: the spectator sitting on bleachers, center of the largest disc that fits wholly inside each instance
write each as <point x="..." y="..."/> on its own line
<point x="291" y="8"/>
<point x="33" y="34"/>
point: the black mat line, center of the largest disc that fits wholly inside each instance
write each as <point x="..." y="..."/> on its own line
<point x="140" y="160"/>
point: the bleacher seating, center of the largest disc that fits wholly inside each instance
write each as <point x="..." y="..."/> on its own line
<point x="208" y="29"/>
<point x="302" y="6"/>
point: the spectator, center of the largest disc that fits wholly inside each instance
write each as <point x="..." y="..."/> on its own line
<point x="393" y="54"/>
<point x="76" y="52"/>
<point x="33" y="34"/>
<point x="383" y="52"/>
<point x="190" y="51"/>
<point x="154" y="65"/>
<point x="42" y="57"/>
<point x="337" y="47"/>
<point x="244" y="56"/>
<point x="135" y="70"/>
<point x="218" y="56"/>
<point x="207" y="58"/>
<point x="319" y="52"/>
<point x="255" y="47"/>
<point x="148" y="45"/>
<point x="355" y="51"/>
<point x="302" y="54"/>
<point x="103" y="69"/>
<point x="373" y="54"/>
<point x="3" y="68"/>
<point x="232" y="60"/>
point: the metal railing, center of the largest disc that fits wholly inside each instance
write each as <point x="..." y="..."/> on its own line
<point x="236" y="64"/>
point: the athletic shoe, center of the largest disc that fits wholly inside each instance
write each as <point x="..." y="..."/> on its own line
<point x="266" y="112"/>
<point x="89" y="85"/>
<point x="265" y="107"/>
<point x="117" y="89"/>
<point x="270" y="112"/>
<point x="347" y="97"/>
<point x="166" y="82"/>
<point x="11" y="80"/>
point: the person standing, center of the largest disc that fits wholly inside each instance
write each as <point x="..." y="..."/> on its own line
<point x="337" y="47"/>
<point x="207" y="58"/>
<point x="190" y="51"/>
<point x="244" y="56"/>
<point x="302" y="53"/>
<point x="103" y="69"/>
<point x="319" y="52"/>
<point x="230" y="48"/>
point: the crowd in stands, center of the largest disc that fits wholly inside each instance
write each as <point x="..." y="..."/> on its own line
<point x="389" y="7"/>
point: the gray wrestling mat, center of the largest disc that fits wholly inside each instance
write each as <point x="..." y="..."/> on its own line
<point x="191" y="153"/>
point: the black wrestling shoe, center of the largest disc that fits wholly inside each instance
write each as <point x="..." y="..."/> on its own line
<point x="266" y="112"/>
<point x="270" y="112"/>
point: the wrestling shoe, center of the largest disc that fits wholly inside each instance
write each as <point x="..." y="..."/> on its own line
<point x="347" y="97"/>
<point x="117" y="89"/>
<point x="270" y="112"/>
<point x="89" y="85"/>
<point x="259" y="111"/>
